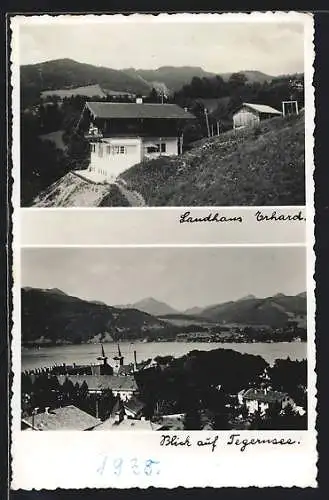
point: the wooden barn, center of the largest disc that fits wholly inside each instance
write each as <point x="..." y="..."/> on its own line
<point x="249" y="115"/>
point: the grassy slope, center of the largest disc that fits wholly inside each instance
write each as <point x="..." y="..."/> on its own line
<point x="242" y="168"/>
<point x="274" y="311"/>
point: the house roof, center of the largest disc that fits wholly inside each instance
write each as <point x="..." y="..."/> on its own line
<point x="261" y="108"/>
<point x="134" y="404"/>
<point x="268" y="396"/>
<point x="134" y="110"/>
<point x="127" y="425"/>
<point x="65" y="418"/>
<point x="126" y="369"/>
<point x="102" y="382"/>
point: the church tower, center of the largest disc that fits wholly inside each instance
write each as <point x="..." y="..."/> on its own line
<point x="103" y="368"/>
<point x="118" y="361"/>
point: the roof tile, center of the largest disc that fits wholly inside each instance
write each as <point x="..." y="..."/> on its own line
<point x="134" y="110"/>
<point x="65" y="418"/>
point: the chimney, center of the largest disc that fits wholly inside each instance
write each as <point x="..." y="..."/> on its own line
<point x="139" y="100"/>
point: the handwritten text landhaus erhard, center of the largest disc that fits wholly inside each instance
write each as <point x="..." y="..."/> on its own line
<point x="259" y="216"/>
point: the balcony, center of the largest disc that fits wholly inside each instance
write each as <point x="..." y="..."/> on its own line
<point x="93" y="134"/>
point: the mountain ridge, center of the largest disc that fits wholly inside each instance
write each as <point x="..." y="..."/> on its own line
<point x="61" y="318"/>
<point x="151" y="306"/>
<point x="57" y="318"/>
<point x="66" y="73"/>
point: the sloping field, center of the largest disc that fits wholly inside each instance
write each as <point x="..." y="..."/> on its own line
<point x="263" y="166"/>
<point x="73" y="190"/>
<point x="88" y="90"/>
<point x="55" y="137"/>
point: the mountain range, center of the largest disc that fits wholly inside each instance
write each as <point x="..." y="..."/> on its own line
<point x="50" y="315"/>
<point x="62" y="74"/>
<point x="53" y="316"/>
<point x="272" y="311"/>
<point x="151" y="306"/>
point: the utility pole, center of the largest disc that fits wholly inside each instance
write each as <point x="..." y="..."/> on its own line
<point x="34" y="412"/>
<point x="207" y="121"/>
<point x="217" y="128"/>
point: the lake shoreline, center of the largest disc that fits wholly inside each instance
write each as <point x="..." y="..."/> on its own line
<point x="87" y="353"/>
<point x="44" y="345"/>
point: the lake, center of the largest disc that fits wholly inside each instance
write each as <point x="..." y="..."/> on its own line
<point x="87" y="353"/>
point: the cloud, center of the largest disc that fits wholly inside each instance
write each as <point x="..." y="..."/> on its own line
<point x="219" y="47"/>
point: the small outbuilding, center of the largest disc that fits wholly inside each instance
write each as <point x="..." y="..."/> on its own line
<point x="249" y="115"/>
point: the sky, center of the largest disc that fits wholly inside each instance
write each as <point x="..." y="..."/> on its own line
<point x="274" y="48"/>
<point x="181" y="277"/>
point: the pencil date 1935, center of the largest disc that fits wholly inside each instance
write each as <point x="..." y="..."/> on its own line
<point x="135" y="466"/>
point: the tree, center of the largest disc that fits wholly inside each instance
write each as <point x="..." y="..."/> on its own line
<point x="237" y="80"/>
<point x="153" y="96"/>
<point x="68" y="389"/>
<point x="192" y="420"/>
<point x="84" y="390"/>
<point x="256" y="421"/>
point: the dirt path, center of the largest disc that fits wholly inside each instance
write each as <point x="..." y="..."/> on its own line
<point x="134" y="198"/>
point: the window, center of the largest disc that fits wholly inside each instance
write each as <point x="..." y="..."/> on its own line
<point x="163" y="147"/>
<point x="122" y="150"/>
<point x="93" y="148"/>
<point x="154" y="148"/>
<point x="115" y="150"/>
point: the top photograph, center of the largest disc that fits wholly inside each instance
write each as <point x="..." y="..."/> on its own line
<point x="161" y="111"/>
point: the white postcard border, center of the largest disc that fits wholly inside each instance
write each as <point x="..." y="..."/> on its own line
<point x="75" y="460"/>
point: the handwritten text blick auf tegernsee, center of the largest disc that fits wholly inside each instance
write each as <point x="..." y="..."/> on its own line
<point x="233" y="440"/>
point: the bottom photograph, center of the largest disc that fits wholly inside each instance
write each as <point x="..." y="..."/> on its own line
<point x="178" y="338"/>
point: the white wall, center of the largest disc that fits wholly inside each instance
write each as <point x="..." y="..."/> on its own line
<point x="254" y="405"/>
<point x="170" y="142"/>
<point x="124" y="395"/>
<point x="244" y="117"/>
<point x="107" y="159"/>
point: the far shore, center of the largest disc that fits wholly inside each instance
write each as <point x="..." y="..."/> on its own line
<point x="233" y="341"/>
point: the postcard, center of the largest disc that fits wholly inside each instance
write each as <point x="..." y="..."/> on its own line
<point x="163" y="290"/>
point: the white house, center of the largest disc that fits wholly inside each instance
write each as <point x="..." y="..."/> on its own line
<point x="249" y="115"/>
<point x="123" y="134"/>
<point x="263" y="399"/>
